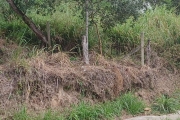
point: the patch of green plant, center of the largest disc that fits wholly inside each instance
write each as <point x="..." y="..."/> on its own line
<point x="132" y="104"/>
<point x="160" y="25"/>
<point x="73" y="58"/>
<point x="86" y="111"/>
<point x="83" y="111"/>
<point x="166" y="104"/>
<point x="110" y="109"/>
<point x="107" y="110"/>
<point x="21" y="115"/>
<point x="50" y="115"/>
<point x="17" y="59"/>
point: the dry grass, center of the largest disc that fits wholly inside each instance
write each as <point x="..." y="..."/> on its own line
<point x="52" y="80"/>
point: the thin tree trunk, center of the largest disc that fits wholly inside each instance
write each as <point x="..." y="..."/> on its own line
<point x="85" y="38"/>
<point x="99" y="38"/>
<point x="87" y="20"/>
<point x="29" y="22"/>
<point x="142" y="49"/>
<point x="148" y="50"/>
<point x="48" y="33"/>
<point x="85" y="50"/>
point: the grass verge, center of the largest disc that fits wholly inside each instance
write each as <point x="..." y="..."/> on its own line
<point x="166" y="104"/>
<point x="87" y="111"/>
<point x="132" y="104"/>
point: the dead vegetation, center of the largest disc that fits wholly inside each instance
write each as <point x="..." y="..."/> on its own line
<point x="53" y="81"/>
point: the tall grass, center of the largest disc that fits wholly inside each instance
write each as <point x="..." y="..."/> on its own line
<point x="107" y="110"/>
<point x="86" y="111"/>
<point x="132" y="104"/>
<point x="66" y="23"/>
<point x="160" y="25"/>
<point x="166" y="104"/>
<point x="21" y="115"/>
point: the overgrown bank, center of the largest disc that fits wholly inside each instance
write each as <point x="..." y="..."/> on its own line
<point x="41" y="80"/>
<point x="86" y="111"/>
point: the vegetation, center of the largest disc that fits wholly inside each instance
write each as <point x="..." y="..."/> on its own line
<point x="86" y="111"/>
<point x="107" y="110"/>
<point x="165" y="104"/>
<point x="117" y="23"/>
<point x="159" y="24"/>
<point x="132" y="104"/>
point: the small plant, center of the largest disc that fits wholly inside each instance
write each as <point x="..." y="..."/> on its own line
<point x="50" y="115"/>
<point x="110" y="109"/>
<point x="73" y="58"/>
<point x="132" y="104"/>
<point x="165" y="104"/>
<point x="21" y="115"/>
<point x="84" y="111"/>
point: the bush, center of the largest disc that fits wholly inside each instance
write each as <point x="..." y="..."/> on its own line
<point x="165" y="104"/>
<point x="132" y="104"/>
<point x="67" y="27"/>
<point x="160" y="25"/>
<point x="85" y="111"/>
<point x="21" y="115"/>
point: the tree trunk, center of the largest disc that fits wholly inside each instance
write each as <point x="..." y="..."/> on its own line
<point x="87" y="20"/>
<point x="85" y="50"/>
<point x="85" y="38"/>
<point x="142" y="49"/>
<point x="99" y="38"/>
<point x="28" y="21"/>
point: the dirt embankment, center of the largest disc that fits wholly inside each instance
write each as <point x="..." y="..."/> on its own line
<point x="53" y="81"/>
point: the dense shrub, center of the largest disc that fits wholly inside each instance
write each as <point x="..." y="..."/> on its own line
<point x="159" y="25"/>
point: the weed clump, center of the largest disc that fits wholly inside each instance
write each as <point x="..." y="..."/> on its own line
<point x="21" y="115"/>
<point x="108" y="110"/>
<point x="132" y="104"/>
<point x="86" y="111"/>
<point x="166" y="104"/>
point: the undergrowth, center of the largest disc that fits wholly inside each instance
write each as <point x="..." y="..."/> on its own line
<point x="108" y="110"/>
<point x="87" y="111"/>
<point x="166" y="104"/>
<point x="132" y="104"/>
<point x="21" y="115"/>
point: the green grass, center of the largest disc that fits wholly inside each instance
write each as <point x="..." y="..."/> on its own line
<point x="87" y="111"/>
<point x="21" y="115"/>
<point x="107" y="110"/>
<point x="165" y="104"/>
<point x="160" y="25"/>
<point x="83" y="111"/>
<point x="50" y="115"/>
<point x="132" y="104"/>
<point x="66" y="26"/>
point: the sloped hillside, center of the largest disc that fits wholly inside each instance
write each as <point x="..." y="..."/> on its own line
<point x="45" y="80"/>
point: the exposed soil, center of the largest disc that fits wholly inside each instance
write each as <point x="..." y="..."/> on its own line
<point x="53" y="81"/>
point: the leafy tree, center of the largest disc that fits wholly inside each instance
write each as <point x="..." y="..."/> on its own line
<point x="176" y="4"/>
<point x="43" y="7"/>
<point x="169" y="4"/>
<point x="113" y="11"/>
